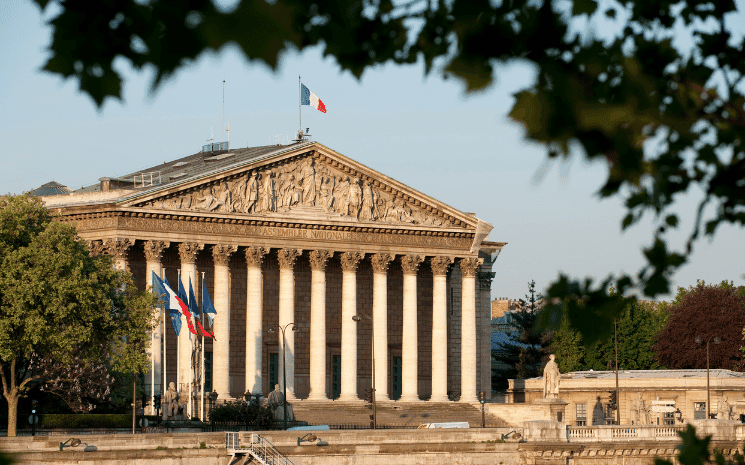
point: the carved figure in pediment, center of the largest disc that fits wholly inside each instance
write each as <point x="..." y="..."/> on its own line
<point x="267" y="194"/>
<point x="205" y="199"/>
<point x="222" y="198"/>
<point x="368" y="202"/>
<point x="308" y="180"/>
<point x="238" y="194"/>
<point x="326" y="193"/>
<point x="341" y="195"/>
<point x="251" y="195"/>
<point x="355" y="198"/>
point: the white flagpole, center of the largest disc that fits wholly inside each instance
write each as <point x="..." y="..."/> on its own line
<point x="165" y="330"/>
<point x="201" y="388"/>
<point x="178" y="348"/>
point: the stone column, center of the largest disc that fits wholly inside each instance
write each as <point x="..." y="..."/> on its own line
<point x="286" y="259"/>
<point x="318" y="261"/>
<point x="118" y="249"/>
<point x="440" y="267"/>
<point x="349" y="261"/>
<point x="188" y="253"/>
<point x="221" y="327"/>
<point x="154" y="378"/>
<point x="409" y="343"/>
<point x="468" y="267"/>
<point x="254" y="314"/>
<point x="380" y="263"/>
<point x="483" y="311"/>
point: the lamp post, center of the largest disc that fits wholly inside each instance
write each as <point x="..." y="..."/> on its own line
<point x="358" y="318"/>
<point x="482" y="399"/>
<point x="284" y="367"/>
<point x="699" y="341"/>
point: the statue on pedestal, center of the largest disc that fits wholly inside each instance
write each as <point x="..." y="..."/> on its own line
<point x="277" y="404"/>
<point x="173" y="406"/>
<point x="724" y="409"/>
<point x="551" y="379"/>
<point x="639" y="411"/>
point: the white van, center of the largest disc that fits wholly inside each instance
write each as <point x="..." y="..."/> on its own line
<point x="451" y="424"/>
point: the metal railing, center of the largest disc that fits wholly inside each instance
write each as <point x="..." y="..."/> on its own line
<point x="257" y="446"/>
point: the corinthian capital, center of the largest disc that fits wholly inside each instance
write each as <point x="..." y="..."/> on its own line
<point x="188" y="251"/>
<point x="469" y="266"/>
<point x="286" y="257"/>
<point x="380" y="262"/>
<point x="440" y="265"/>
<point x="410" y="263"/>
<point x="319" y="259"/>
<point x="255" y="255"/>
<point x="221" y="253"/>
<point x="154" y="250"/>
<point x="350" y="260"/>
<point x="118" y="247"/>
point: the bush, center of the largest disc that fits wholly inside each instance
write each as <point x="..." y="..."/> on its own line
<point x="240" y="411"/>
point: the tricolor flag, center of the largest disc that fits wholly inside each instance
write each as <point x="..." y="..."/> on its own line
<point x="208" y="308"/>
<point x="309" y="98"/>
<point x="174" y="304"/>
<point x="185" y="309"/>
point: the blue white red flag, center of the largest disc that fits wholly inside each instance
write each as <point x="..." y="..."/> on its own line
<point x="172" y="302"/>
<point x="208" y="308"/>
<point x="309" y="98"/>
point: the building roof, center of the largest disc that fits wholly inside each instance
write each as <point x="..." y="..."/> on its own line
<point x="648" y="374"/>
<point x="50" y="188"/>
<point x="188" y="167"/>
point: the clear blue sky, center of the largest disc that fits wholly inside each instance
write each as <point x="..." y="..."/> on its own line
<point x="424" y="132"/>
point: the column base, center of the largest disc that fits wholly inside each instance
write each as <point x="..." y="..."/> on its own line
<point x="316" y="398"/>
<point x="409" y="398"/>
<point x="439" y="398"/>
<point x="468" y="400"/>
<point x="348" y="398"/>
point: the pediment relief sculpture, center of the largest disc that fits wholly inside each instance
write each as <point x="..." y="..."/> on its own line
<point x="301" y="185"/>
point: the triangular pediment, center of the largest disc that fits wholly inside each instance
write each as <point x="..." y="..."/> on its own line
<point x="310" y="182"/>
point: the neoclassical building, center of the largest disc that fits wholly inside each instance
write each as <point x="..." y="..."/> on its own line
<point x="302" y="234"/>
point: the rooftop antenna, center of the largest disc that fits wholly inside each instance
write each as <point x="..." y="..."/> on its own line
<point x="212" y="138"/>
<point x="223" y="111"/>
<point x="228" y="133"/>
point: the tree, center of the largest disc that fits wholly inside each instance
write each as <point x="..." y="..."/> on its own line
<point x="525" y="348"/>
<point x="637" y="330"/>
<point x="64" y="315"/>
<point x="707" y="312"/>
<point x="664" y="120"/>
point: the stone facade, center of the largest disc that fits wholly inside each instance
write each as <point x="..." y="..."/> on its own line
<point x="303" y="238"/>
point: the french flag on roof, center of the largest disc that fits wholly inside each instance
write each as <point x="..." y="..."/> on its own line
<point x="309" y="98"/>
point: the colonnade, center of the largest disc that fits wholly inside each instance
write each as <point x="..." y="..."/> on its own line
<point x="286" y="258"/>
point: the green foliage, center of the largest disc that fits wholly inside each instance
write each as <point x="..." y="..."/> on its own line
<point x="6" y="459"/>
<point x="64" y="315"/>
<point x="664" y="121"/>
<point x="240" y="411"/>
<point x="638" y="326"/>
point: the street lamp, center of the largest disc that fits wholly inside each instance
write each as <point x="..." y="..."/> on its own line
<point x="284" y="366"/>
<point x="699" y="341"/>
<point x="358" y="318"/>
<point x="482" y="399"/>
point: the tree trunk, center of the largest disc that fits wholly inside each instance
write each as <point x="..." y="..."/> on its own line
<point x="12" y="399"/>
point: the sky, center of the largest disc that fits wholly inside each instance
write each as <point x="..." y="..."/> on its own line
<point x="423" y="131"/>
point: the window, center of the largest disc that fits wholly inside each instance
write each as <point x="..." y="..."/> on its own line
<point x="581" y="418"/>
<point x="669" y="418"/>
<point x="699" y="410"/>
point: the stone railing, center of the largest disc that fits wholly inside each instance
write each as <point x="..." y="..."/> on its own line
<point x="623" y="433"/>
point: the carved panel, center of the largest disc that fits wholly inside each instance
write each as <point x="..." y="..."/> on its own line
<point x="255" y="255"/>
<point x="319" y="259"/>
<point x="468" y="266"/>
<point x="410" y="263"/>
<point x="305" y="185"/>
<point x="154" y="250"/>
<point x="380" y="262"/>
<point x="221" y="253"/>
<point x="440" y="265"/>
<point x="188" y="251"/>
<point x="287" y="257"/>
<point x="350" y="260"/>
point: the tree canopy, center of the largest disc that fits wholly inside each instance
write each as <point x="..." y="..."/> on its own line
<point x="614" y="83"/>
<point x="706" y="312"/>
<point x="65" y="317"/>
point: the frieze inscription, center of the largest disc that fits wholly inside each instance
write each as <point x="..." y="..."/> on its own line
<point x="149" y="224"/>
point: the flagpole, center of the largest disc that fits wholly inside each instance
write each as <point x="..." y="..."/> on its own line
<point x="178" y="351"/>
<point x="201" y="388"/>
<point x="165" y="360"/>
<point x="300" y="101"/>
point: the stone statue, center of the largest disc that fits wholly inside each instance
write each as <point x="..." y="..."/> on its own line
<point x="724" y="409"/>
<point x="327" y="196"/>
<point x="355" y="198"/>
<point x="639" y="412"/>
<point x="172" y="404"/>
<point x="551" y="379"/>
<point x="267" y="193"/>
<point x="308" y="178"/>
<point x="252" y="195"/>
<point x="368" y="202"/>
<point x="277" y="403"/>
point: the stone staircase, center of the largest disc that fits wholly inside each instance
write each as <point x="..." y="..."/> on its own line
<point x="391" y="414"/>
